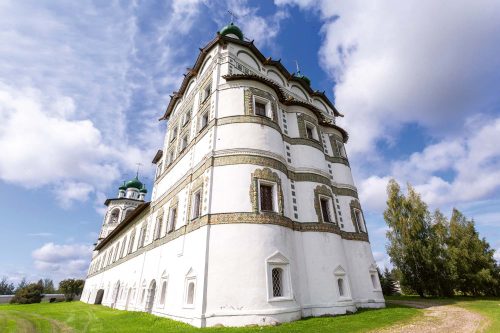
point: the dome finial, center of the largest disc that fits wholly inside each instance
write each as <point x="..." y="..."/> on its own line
<point x="232" y="30"/>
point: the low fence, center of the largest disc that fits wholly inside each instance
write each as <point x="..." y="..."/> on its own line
<point x="46" y="298"/>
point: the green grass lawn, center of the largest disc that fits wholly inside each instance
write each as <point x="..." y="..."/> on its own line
<point x="81" y="317"/>
<point x="489" y="307"/>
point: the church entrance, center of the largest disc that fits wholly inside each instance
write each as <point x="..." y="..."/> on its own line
<point x="99" y="296"/>
<point x="150" y="300"/>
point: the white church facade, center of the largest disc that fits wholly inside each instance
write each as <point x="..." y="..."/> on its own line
<point x="254" y="217"/>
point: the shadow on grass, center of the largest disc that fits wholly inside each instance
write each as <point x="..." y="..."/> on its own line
<point x="427" y="302"/>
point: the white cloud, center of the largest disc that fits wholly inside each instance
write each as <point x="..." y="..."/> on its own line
<point x="82" y="86"/>
<point x="62" y="261"/>
<point x="401" y="62"/>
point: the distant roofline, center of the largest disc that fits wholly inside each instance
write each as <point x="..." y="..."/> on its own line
<point x="221" y="39"/>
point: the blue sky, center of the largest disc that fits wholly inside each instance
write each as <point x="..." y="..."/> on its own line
<point x="82" y="85"/>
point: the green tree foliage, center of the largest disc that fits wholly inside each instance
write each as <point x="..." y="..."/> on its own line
<point x="23" y="283"/>
<point x="435" y="256"/>
<point x="71" y="288"/>
<point x="473" y="263"/>
<point x="6" y="288"/>
<point x="31" y="293"/>
<point x="48" y="286"/>
<point x="387" y="282"/>
<point x="409" y="237"/>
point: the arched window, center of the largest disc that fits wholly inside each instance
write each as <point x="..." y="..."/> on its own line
<point x="277" y="276"/>
<point x="374" y="281"/>
<point x="127" y="213"/>
<point x="122" y="250"/>
<point x="340" y="284"/>
<point x="113" y="217"/>
<point x="131" y="244"/>
<point x="190" y="293"/>
<point x="163" y="294"/>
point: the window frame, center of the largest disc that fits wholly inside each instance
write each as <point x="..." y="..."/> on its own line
<point x="274" y="190"/>
<point x="184" y="142"/>
<point x="159" y="168"/>
<point x="360" y="223"/>
<point x="207" y="91"/>
<point x="172" y="220"/>
<point x="267" y="106"/>
<point x="329" y="203"/>
<point x="341" y="149"/>
<point x="163" y="292"/>
<point x="174" y="133"/>
<point x="196" y="193"/>
<point x="286" y="282"/>
<point x="188" y="282"/>
<point x="203" y="124"/>
<point x="313" y="129"/>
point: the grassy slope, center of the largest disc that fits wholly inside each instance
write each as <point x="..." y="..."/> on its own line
<point x="489" y="307"/>
<point x="94" y="318"/>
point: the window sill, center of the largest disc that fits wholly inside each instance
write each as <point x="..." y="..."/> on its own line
<point x="281" y="299"/>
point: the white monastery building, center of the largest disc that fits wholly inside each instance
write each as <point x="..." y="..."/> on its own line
<point x="254" y="217"/>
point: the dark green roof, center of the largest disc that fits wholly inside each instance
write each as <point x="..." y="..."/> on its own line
<point x="123" y="187"/>
<point x="143" y="189"/>
<point x="232" y="29"/>
<point x="134" y="183"/>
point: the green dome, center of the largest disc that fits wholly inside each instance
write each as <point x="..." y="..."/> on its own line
<point x="231" y="29"/>
<point x="134" y="183"/>
<point x="123" y="187"/>
<point x="143" y="189"/>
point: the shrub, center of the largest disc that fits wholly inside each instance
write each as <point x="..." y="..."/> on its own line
<point x="32" y="293"/>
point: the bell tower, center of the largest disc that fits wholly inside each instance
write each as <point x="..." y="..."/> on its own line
<point x="130" y="195"/>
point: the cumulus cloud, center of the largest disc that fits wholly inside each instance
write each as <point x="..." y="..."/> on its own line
<point x="81" y="88"/>
<point x="401" y="62"/>
<point x="62" y="261"/>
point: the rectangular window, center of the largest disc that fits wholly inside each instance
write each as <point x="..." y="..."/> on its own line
<point x="341" y="149"/>
<point x="325" y="209"/>
<point x="309" y="132"/>
<point x="174" y="134"/>
<point x="158" y="170"/>
<point x="204" y="121"/>
<point x="196" y="205"/>
<point x="172" y="217"/>
<point x="159" y="223"/>
<point x="206" y="92"/>
<point x="266" y="197"/>
<point x="185" y="118"/>
<point x="359" y="220"/>
<point x="260" y="109"/>
<point x="170" y="158"/>
<point x="184" y="142"/>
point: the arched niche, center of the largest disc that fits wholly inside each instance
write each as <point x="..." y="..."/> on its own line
<point x="273" y="75"/>
<point x="299" y="92"/>
<point x="190" y="87"/>
<point x="205" y="65"/>
<point x="320" y="105"/>
<point x="248" y="58"/>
